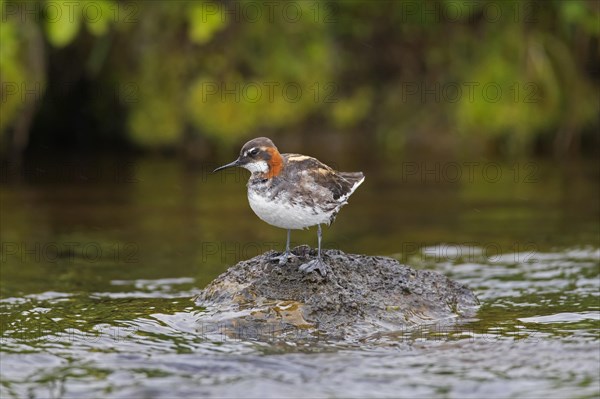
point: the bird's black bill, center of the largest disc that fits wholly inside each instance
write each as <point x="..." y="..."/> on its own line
<point x="229" y="165"/>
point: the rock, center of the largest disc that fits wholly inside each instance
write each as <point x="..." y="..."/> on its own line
<point x="360" y="296"/>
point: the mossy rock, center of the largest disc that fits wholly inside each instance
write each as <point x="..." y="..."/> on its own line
<point x="360" y="296"/>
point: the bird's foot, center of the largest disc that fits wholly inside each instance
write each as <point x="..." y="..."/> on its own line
<point x="283" y="258"/>
<point x="316" y="264"/>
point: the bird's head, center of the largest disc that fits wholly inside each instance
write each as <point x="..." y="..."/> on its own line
<point x="258" y="156"/>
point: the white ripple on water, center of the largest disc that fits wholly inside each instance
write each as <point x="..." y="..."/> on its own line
<point x="567" y="317"/>
<point x="155" y="286"/>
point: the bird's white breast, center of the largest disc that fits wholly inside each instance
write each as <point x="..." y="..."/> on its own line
<point x="284" y="214"/>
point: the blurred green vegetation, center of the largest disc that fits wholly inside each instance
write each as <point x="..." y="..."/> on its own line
<point x="508" y="74"/>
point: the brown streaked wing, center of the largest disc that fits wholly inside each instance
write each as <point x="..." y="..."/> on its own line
<point x="337" y="183"/>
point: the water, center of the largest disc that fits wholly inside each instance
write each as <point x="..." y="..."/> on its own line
<point x="101" y="259"/>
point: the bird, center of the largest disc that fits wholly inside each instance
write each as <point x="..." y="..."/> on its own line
<point x="293" y="192"/>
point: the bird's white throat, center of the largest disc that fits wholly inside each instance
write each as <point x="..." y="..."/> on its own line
<point x="258" y="166"/>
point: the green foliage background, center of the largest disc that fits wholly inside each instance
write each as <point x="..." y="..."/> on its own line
<point x="166" y="74"/>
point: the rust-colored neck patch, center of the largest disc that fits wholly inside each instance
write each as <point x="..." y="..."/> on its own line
<point x="275" y="163"/>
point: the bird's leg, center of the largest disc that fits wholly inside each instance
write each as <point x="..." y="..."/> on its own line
<point x="316" y="264"/>
<point x="283" y="258"/>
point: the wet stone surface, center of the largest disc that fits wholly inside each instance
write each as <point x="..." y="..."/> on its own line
<point x="360" y="296"/>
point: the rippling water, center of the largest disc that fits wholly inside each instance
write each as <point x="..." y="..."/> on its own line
<point x="98" y="281"/>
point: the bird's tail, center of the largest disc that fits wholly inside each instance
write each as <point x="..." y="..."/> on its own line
<point x="355" y="178"/>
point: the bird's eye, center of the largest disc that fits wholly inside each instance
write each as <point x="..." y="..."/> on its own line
<point x="253" y="152"/>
